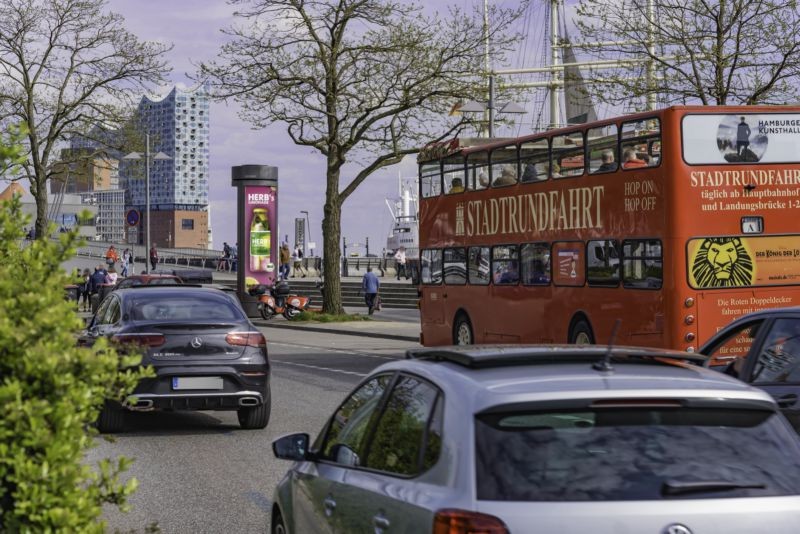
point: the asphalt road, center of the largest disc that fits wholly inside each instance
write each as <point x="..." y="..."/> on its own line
<point x="199" y="473"/>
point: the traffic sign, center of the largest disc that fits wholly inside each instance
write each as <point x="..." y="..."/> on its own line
<point x="132" y="217"/>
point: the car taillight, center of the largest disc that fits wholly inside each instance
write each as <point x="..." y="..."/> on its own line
<point x="144" y="340"/>
<point x="247" y="339"/>
<point x="452" y="521"/>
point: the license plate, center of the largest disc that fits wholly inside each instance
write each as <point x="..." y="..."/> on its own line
<point x="197" y="382"/>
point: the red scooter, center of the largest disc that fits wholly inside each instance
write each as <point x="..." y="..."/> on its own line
<point x="278" y="299"/>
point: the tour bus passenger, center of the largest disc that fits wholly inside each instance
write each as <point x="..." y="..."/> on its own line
<point x="608" y="163"/>
<point x="630" y="160"/>
<point x="456" y="186"/>
<point x="508" y="176"/>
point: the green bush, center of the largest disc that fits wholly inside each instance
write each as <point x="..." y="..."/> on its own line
<point x="51" y="392"/>
<point x="329" y="317"/>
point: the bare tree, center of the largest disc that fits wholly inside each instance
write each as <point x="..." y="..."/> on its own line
<point x="65" y="66"/>
<point x="709" y="52"/>
<point x="366" y="81"/>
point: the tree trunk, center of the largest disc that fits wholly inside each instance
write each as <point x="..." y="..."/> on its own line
<point x="41" y="223"/>
<point x="331" y="237"/>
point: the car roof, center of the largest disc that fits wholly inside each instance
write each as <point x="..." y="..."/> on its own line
<point x="169" y="291"/>
<point x="790" y="310"/>
<point x="487" y="376"/>
<point x="150" y="276"/>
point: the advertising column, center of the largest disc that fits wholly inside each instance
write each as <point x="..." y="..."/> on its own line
<point x="257" y="225"/>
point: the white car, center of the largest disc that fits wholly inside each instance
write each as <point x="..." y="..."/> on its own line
<point x="551" y="439"/>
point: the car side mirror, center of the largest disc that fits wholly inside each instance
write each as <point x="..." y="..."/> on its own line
<point x="291" y="447"/>
<point x="343" y="454"/>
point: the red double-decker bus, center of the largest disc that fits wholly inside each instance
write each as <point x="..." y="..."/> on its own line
<point x="674" y="222"/>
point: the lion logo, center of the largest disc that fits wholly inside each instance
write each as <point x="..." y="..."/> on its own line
<point x="722" y="262"/>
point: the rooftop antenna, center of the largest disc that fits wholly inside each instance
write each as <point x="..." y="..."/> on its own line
<point x="605" y="363"/>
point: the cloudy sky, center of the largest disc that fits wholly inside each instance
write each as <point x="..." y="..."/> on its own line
<point x="193" y="27"/>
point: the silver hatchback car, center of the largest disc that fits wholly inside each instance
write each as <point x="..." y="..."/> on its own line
<point x="555" y="439"/>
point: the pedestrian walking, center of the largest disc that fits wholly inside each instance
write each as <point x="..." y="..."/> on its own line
<point x="234" y="257"/>
<point x="400" y="257"/>
<point x="85" y="290"/>
<point x="370" y="285"/>
<point x="111" y="256"/>
<point x="224" y="263"/>
<point x="153" y="257"/>
<point x="297" y="261"/>
<point x="126" y="259"/>
<point x="111" y="275"/>
<point x="283" y="270"/>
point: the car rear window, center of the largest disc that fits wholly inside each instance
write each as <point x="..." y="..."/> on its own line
<point x="634" y="454"/>
<point x="152" y="307"/>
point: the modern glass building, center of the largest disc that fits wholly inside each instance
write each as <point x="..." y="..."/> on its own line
<point x="178" y="125"/>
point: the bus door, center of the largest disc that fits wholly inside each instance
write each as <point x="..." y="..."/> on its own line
<point x="434" y="292"/>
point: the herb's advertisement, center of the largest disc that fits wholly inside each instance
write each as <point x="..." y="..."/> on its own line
<point x="261" y="220"/>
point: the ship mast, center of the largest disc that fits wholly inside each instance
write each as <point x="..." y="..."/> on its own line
<point x="557" y="68"/>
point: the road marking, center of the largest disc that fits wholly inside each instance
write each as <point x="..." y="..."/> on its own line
<point x="318" y="367"/>
<point x="342" y="351"/>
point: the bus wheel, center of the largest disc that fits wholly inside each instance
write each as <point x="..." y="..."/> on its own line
<point x="581" y="334"/>
<point x="462" y="331"/>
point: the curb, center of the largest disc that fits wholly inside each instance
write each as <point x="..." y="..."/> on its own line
<point x="396" y="337"/>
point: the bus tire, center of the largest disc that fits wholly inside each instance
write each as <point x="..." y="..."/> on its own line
<point x="462" y="331"/>
<point x="581" y="333"/>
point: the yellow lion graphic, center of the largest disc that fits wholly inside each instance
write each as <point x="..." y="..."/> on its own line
<point x="722" y="262"/>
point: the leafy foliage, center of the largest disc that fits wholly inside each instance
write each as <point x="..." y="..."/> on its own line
<point x="731" y="52"/>
<point x="51" y="392"/>
<point x="360" y="81"/>
<point x="67" y="65"/>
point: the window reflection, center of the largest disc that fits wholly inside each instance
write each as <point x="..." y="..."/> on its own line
<point x="398" y="438"/>
<point x="629" y="454"/>
<point x="348" y="427"/>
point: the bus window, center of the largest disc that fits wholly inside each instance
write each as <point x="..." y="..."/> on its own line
<point x="503" y="166"/>
<point x="535" y="260"/>
<point x="567" y="155"/>
<point x="478" y="263"/>
<point x="602" y="144"/>
<point x="431" y="266"/>
<point x="534" y="159"/>
<point x="639" y="139"/>
<point x="642" y="266"/>
<point x="455" y="266"/>
<point x="453" y="170"/>
<point x="602" y="263"/>
<point x="430" y="179"/>
<point x="478" y="171"/>
<point x="505" y="265"/>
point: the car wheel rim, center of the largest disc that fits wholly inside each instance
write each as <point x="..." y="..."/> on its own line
<point x="582" y="339"/>
<point x="464" y="336"/>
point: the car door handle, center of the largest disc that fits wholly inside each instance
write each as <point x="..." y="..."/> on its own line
<point x="381" y="523"/>
<point x="330" y="506"/>
<point x="787" y="401"/>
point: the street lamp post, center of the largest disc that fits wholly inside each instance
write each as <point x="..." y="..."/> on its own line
<point x="308" y="232"/>
<point x="160" y="156"/>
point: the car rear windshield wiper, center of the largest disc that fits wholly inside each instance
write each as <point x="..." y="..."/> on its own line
<point x="681" y="487"/>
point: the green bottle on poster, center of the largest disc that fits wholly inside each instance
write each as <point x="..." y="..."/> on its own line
<point x="260" y="241"/>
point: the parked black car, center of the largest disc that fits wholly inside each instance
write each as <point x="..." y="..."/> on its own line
<point x="206" y="354"/>
<point x="763" y="349"/>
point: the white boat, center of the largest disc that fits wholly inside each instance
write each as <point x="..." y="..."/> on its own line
<point x="405" y="223"/>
